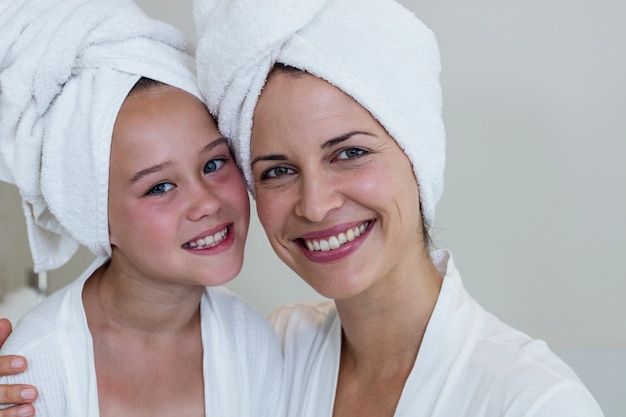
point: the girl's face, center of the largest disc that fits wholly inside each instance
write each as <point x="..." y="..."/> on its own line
<point x="335" y="194"/>
<point x="178" y="206"/>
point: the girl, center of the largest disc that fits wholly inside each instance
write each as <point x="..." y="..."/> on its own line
<point x="129" y="163"/>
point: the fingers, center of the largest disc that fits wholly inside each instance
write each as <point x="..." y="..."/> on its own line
<point x="17" y="394"/>
<point x="9" y="364"/>
<point x="5" y="330"/>
<point x="18" y="411"/>
<point x="12" y="364"/>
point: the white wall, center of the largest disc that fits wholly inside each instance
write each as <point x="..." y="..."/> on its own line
<point x="534" y="99"/>
<point x="535" y="201"/>
<point x="15" y="257"/>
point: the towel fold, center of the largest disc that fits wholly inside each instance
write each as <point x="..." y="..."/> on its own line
<point x="376" y="51"/>
<point x="66" y="67"/>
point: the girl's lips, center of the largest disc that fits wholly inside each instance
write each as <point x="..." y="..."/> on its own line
<point x="210" y="239"/>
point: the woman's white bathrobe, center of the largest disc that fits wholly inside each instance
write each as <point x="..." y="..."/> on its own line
<point x="242" y="363"/>
<point x="470" y="364"/>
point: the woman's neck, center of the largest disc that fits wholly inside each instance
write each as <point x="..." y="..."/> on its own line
<point x="385" y="325"/>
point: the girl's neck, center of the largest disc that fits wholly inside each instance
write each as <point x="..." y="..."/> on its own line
<point x="115" y="302"/>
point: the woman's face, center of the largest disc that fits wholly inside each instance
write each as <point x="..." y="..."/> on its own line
<point x="178" y="207"/>
<point x="335" y="194"/>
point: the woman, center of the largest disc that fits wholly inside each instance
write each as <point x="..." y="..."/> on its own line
<point x="130" y="164"/>
<point x="335" y="116"/>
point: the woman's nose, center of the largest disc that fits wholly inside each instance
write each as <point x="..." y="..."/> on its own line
<point x="318" y="196"/>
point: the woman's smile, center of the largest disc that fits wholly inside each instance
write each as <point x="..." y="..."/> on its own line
<point x="334" y="245"/>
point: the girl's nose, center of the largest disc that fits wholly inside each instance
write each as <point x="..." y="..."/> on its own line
<point x="202" y="202"/>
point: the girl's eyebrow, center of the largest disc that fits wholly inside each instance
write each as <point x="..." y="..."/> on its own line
<point x="160" y="167"/>
<point x="215" y="143"/>
<point x="328" y="144"/>
<point x="145" y="172"/>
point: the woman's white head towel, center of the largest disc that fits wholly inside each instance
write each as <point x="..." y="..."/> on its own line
<point x="376" y="51"/>
<point x="66" y="67"/>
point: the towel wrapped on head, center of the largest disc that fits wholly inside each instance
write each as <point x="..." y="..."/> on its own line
<point x="376" y="51"/>
<point x="66" y="67"/>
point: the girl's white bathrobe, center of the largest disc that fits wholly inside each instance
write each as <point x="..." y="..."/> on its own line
<point x="242" y="363"/>
<point x="470" y="364"/>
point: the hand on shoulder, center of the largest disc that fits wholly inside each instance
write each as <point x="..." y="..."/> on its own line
<point x="19" y="394"/>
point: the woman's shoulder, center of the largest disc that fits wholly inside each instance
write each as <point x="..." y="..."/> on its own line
<point x="36" y="336"/>
<point x="37" y="327"/>
<point x="516" y="371"/>
<point x="506" y="347"/>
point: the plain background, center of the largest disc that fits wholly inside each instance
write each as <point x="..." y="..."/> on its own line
<point x="535" y="198"/>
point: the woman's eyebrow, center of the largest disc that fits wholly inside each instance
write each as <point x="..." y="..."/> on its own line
<point x="272" y="157"/>
<point x="332" y="142"/>
<point x="328" y="144"/>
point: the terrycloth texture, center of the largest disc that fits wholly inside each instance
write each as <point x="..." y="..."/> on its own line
<point x="376" y="51"/>
<point x="66" y="67"/>
<point x="242" y="365"/>
<point x="469" y="364"/>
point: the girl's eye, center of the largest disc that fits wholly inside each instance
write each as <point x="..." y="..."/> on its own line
<point x="277" y="172"/>
<point x="213" y="165"/>
<point x="350" y="153"/>
<point x="161" y="188"/>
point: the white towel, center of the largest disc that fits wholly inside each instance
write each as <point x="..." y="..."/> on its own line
<point x="376" y="51"/>
<point x="65" y="68"/>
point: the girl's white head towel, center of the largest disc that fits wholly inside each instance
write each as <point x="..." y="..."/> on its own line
<point x="376" y="51"/>
<point x="66" y="67"/>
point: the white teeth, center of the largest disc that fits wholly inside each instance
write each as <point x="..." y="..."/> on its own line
<point x="209" y="241"/>
<point x="335" y="242"/>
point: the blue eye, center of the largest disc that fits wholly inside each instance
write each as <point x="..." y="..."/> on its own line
<point x="276" y="172"/>
<point x="161" y="188"/>
<point x="213" y="165"/>
<point x="351" y="153"/>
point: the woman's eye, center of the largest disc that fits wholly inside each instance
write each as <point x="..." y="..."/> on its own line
<point x="161" y="188"/>
<point x="277" y="172"/>
<point x="213" y="165"/>
<point x="350" y="153"/>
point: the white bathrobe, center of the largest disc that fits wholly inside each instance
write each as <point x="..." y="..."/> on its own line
<point x="470" y="364"/>
<point x="242" y="363"/>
